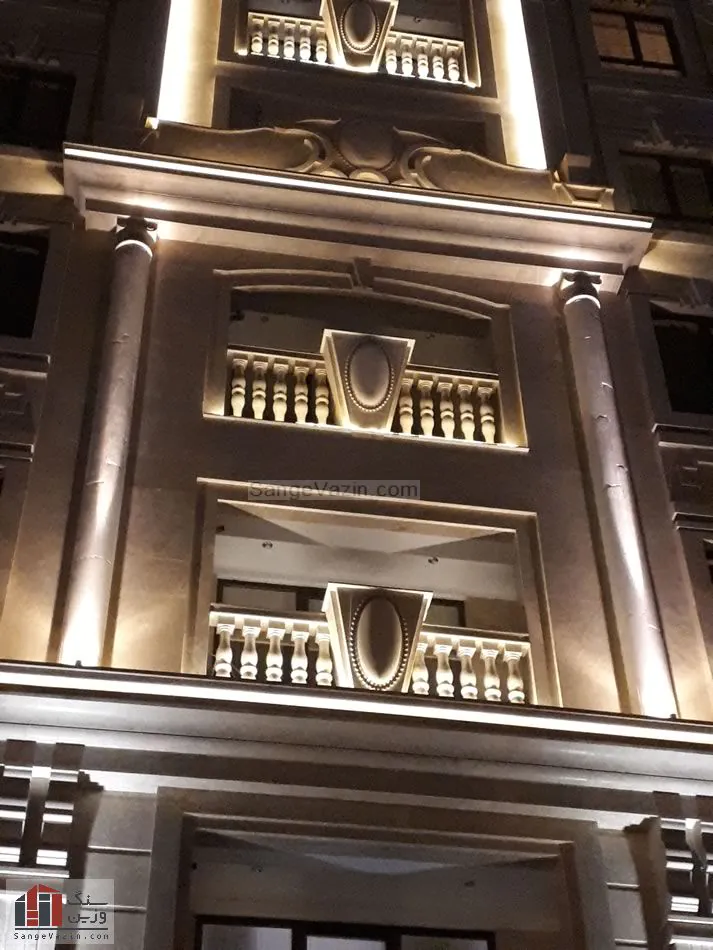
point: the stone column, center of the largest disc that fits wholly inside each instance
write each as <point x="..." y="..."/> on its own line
<point x="92" y="569"/>
<point x="626" y="567"/>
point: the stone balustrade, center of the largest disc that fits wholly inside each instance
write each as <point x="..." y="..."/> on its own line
<point x="405" y="54"/>
<point x="294" y="388"/>
<point x="451" y="663"/>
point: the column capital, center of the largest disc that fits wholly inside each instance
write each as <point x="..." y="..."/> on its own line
<point x="136" y="231"/>
<point x="578" y="285"/>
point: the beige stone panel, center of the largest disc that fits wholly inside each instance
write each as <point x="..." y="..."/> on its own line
<point x="130" y="873"/>
<point x="626" y="914"/>
<point x="33" y="587"/>
<point x="618" y="860"/>
<point x="129" y="929"/>
<point x="683" y="636"/>
<point x="123" y="821"/>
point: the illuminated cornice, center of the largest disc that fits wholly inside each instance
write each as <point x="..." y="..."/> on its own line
<point x="356" y="189"/>
<point x="493" y="238"/>
<point x="538" y="721"/>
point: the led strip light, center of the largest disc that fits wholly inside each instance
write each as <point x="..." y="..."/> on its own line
<point x="358" y="190"/>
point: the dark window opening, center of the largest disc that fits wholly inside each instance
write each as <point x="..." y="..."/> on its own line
<point x="232" y="593"/>
<point x="670" y="187"/>
<point x="628" y="39"/>
<point x="225" y="933"/>
<point x="686" y="349"/>
<point x="35" y="104"/>
<point x="22" y="264"/>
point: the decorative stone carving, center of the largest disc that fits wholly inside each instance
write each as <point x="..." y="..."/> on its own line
<point x="357" y="30"/>
<point x="365" y="375"/>
<point x="374" y="634"/>
<point x="370" y="150"/>
<point x="296" y="150"/>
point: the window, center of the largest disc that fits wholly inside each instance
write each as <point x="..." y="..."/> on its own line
<point x="223" y="934"/>
<point x="686" y="349"/>
<point x="443" y="612"/>
<point x="708" y="549"/>
<point x="22" y="264"/>
<point x="670" y="187"/>
<point x="627" y="39"/>
<point x="35" y="104"/>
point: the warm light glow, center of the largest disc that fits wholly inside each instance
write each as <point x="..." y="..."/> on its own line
<point x="188" y="74"/>
<point x="549" y="721"/>
<point x="516" y="88"/>
<point x="359" y="189"/>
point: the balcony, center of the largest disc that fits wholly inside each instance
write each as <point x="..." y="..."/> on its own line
<point x="373" y="639"/>
<point x="362" y="382"/>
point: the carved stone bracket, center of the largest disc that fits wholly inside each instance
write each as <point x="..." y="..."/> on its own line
<point x="365" y="375"/>
<point x="374" y="633"/>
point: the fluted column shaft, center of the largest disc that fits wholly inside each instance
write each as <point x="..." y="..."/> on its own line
<point x="93" y="560"/>
<point x="638" y="625"/>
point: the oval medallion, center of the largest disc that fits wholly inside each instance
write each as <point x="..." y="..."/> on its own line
<point x="359" y="25"/>
<point x="369" y="376"/>
<point x="378" y="643"/>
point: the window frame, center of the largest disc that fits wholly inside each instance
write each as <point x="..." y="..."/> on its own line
<point x="391" y="936"/>
<point x="631" y="19"/>
<point x="666" y="163"/>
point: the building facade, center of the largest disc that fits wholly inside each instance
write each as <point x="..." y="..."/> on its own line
<point x="356" y="499"/>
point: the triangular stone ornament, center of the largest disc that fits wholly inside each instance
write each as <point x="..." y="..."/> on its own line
<point x="357" y="31"/>
<point x="365" y="375"/>
<point x="374" y="634"/>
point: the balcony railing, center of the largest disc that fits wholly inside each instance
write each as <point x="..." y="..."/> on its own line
<point x="295" y="388"/>
<point x="260" y="646"/>
<point x="405" y="54"/>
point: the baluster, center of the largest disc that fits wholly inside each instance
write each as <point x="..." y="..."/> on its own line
<point x="248" y="656"/>
<point x="298" y="665"/>
<point x="305" y="42"/>
<point x="468" y="679"/>
<point x="421" y="61"/>
<point x="406" y="407"/>
<point x="223" y="665"/>
<point x="448" y="421"/>
<point x="390" y="57"/>
<point x="444" y="673"/>
<point x="419" y="677"/>
<point x="259" y="394"/>
<point x="515" y="681"/>
<point x="275" y="633"/>
<point x="437" y="66"/>
<point x="256" y="40"/>
<point x="487" y="413"/>
<point x="273" y="38"/>
<point x="321" y="396"/>
<point x="279" y="391"/>
<point x="465" y="411"/>
<point x="426" y="406"/>
<point x="491" y="676"/>
<point x="406" y="59"/>
<point x="321" y="48"/>
<point x="238" y="388"/>
<point x="324" y="663"/>
<point x="288" y="46"/>
<point x="453" y="68"/>
<point x="301" y="392"/>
